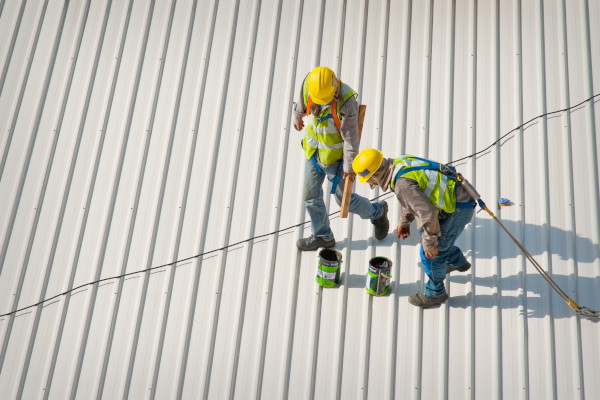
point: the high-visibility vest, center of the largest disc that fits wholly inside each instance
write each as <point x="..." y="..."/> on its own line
<point x="438" y="187"/>
<point x="323" y="133"/>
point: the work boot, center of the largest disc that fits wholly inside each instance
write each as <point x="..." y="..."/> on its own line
<point x="382" y="224"/>
<point x="313" y="243"/>
<point x="462" y="268"/>
<point x="421" y="300"/>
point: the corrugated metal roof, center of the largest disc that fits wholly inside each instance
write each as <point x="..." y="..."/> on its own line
<point x="139" y="134"/>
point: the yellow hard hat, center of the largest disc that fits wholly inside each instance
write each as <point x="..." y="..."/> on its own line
<point x="366" y="163"/>
<point x="321" y="85"/>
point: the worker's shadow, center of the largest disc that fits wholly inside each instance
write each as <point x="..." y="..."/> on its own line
<point x="489" y="241"/>
<point x="482" y="232"/>
<point x="540" y="302"/>
<point x="484" y="239"/>
<point x="543" y="243"/>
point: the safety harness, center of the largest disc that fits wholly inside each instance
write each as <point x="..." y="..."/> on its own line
<point x="333" y="114"/>
<point x="449" y="172"/>
<point x="336" y="119"/>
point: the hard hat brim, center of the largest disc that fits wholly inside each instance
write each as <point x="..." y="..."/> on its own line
<point x="319" y="100"/>
<point x="366" y="177"/>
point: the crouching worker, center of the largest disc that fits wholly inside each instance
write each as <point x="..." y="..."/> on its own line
<point x="441" y="206"/>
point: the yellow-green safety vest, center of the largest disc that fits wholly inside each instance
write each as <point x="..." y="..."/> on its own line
<point x="322" y="132"/>
<point x="431" y="181"/>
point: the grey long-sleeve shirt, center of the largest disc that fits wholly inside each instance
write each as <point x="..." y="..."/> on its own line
<point x="349" y="125"/>
<point x="416" y="204"/>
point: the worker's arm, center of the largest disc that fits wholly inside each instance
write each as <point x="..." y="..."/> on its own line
<point x="349" y="132"/>
<point x="416" y="204"/>
<point x="299" y="110"/>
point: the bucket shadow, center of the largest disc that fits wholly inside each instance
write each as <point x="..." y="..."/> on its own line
<point x="358" y="281"/>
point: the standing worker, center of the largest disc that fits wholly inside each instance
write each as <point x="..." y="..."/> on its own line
<point x="442" y="209"/>
<point x="330" y="144"/>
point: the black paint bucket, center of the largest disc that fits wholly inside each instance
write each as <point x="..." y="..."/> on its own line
<point x="328" y="269"/>
<point x="379" y="276"/>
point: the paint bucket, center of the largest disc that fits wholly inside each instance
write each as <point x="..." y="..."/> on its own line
<point x="379" y="276"/>
<point x="328" y="269"/>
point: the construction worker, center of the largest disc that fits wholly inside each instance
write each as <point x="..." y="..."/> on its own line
<point x="330" y="144"/>
<point x="441" y="206"/>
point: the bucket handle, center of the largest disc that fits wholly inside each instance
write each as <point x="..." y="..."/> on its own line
<point x="379" y="273"/>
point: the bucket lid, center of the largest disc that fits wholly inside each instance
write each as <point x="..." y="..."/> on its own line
<point x="379" y="264"/>
<point x="330" y="257"/>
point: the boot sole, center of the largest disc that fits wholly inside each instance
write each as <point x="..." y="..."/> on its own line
<point x="459" y="269"/>
<point x="435" y="302"/>
<point x="312" y="248"/>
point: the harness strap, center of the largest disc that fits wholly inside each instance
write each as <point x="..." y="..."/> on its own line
<point x="338" y="124"/>
<point x="335" y="116"/>
<point x="314" y="161"/>
<point x="432" y="165"/>
<point x="335" y="180"/>
<point x="334" y="113"/>
<point x="468" y="204"/>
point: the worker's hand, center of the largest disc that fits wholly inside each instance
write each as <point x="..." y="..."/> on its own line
<point x="430" y="252"/>
<point x="349" y="175"/>
<point x="403" y="232"/>
<point x="298" y="123"/>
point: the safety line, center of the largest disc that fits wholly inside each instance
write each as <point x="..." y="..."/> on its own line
<point x="384" y="195"/>
<point x="581" y="310"/>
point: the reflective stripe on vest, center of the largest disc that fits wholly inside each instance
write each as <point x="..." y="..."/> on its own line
<point x="322" y="133"/>
<point x="432" y="182"/>
<point x="315" y="143"/>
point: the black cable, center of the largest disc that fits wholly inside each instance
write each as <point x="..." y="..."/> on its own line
<point x="171" y="263"/>
<point x="280" y="230"/>
<point x="522" y="125"/>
